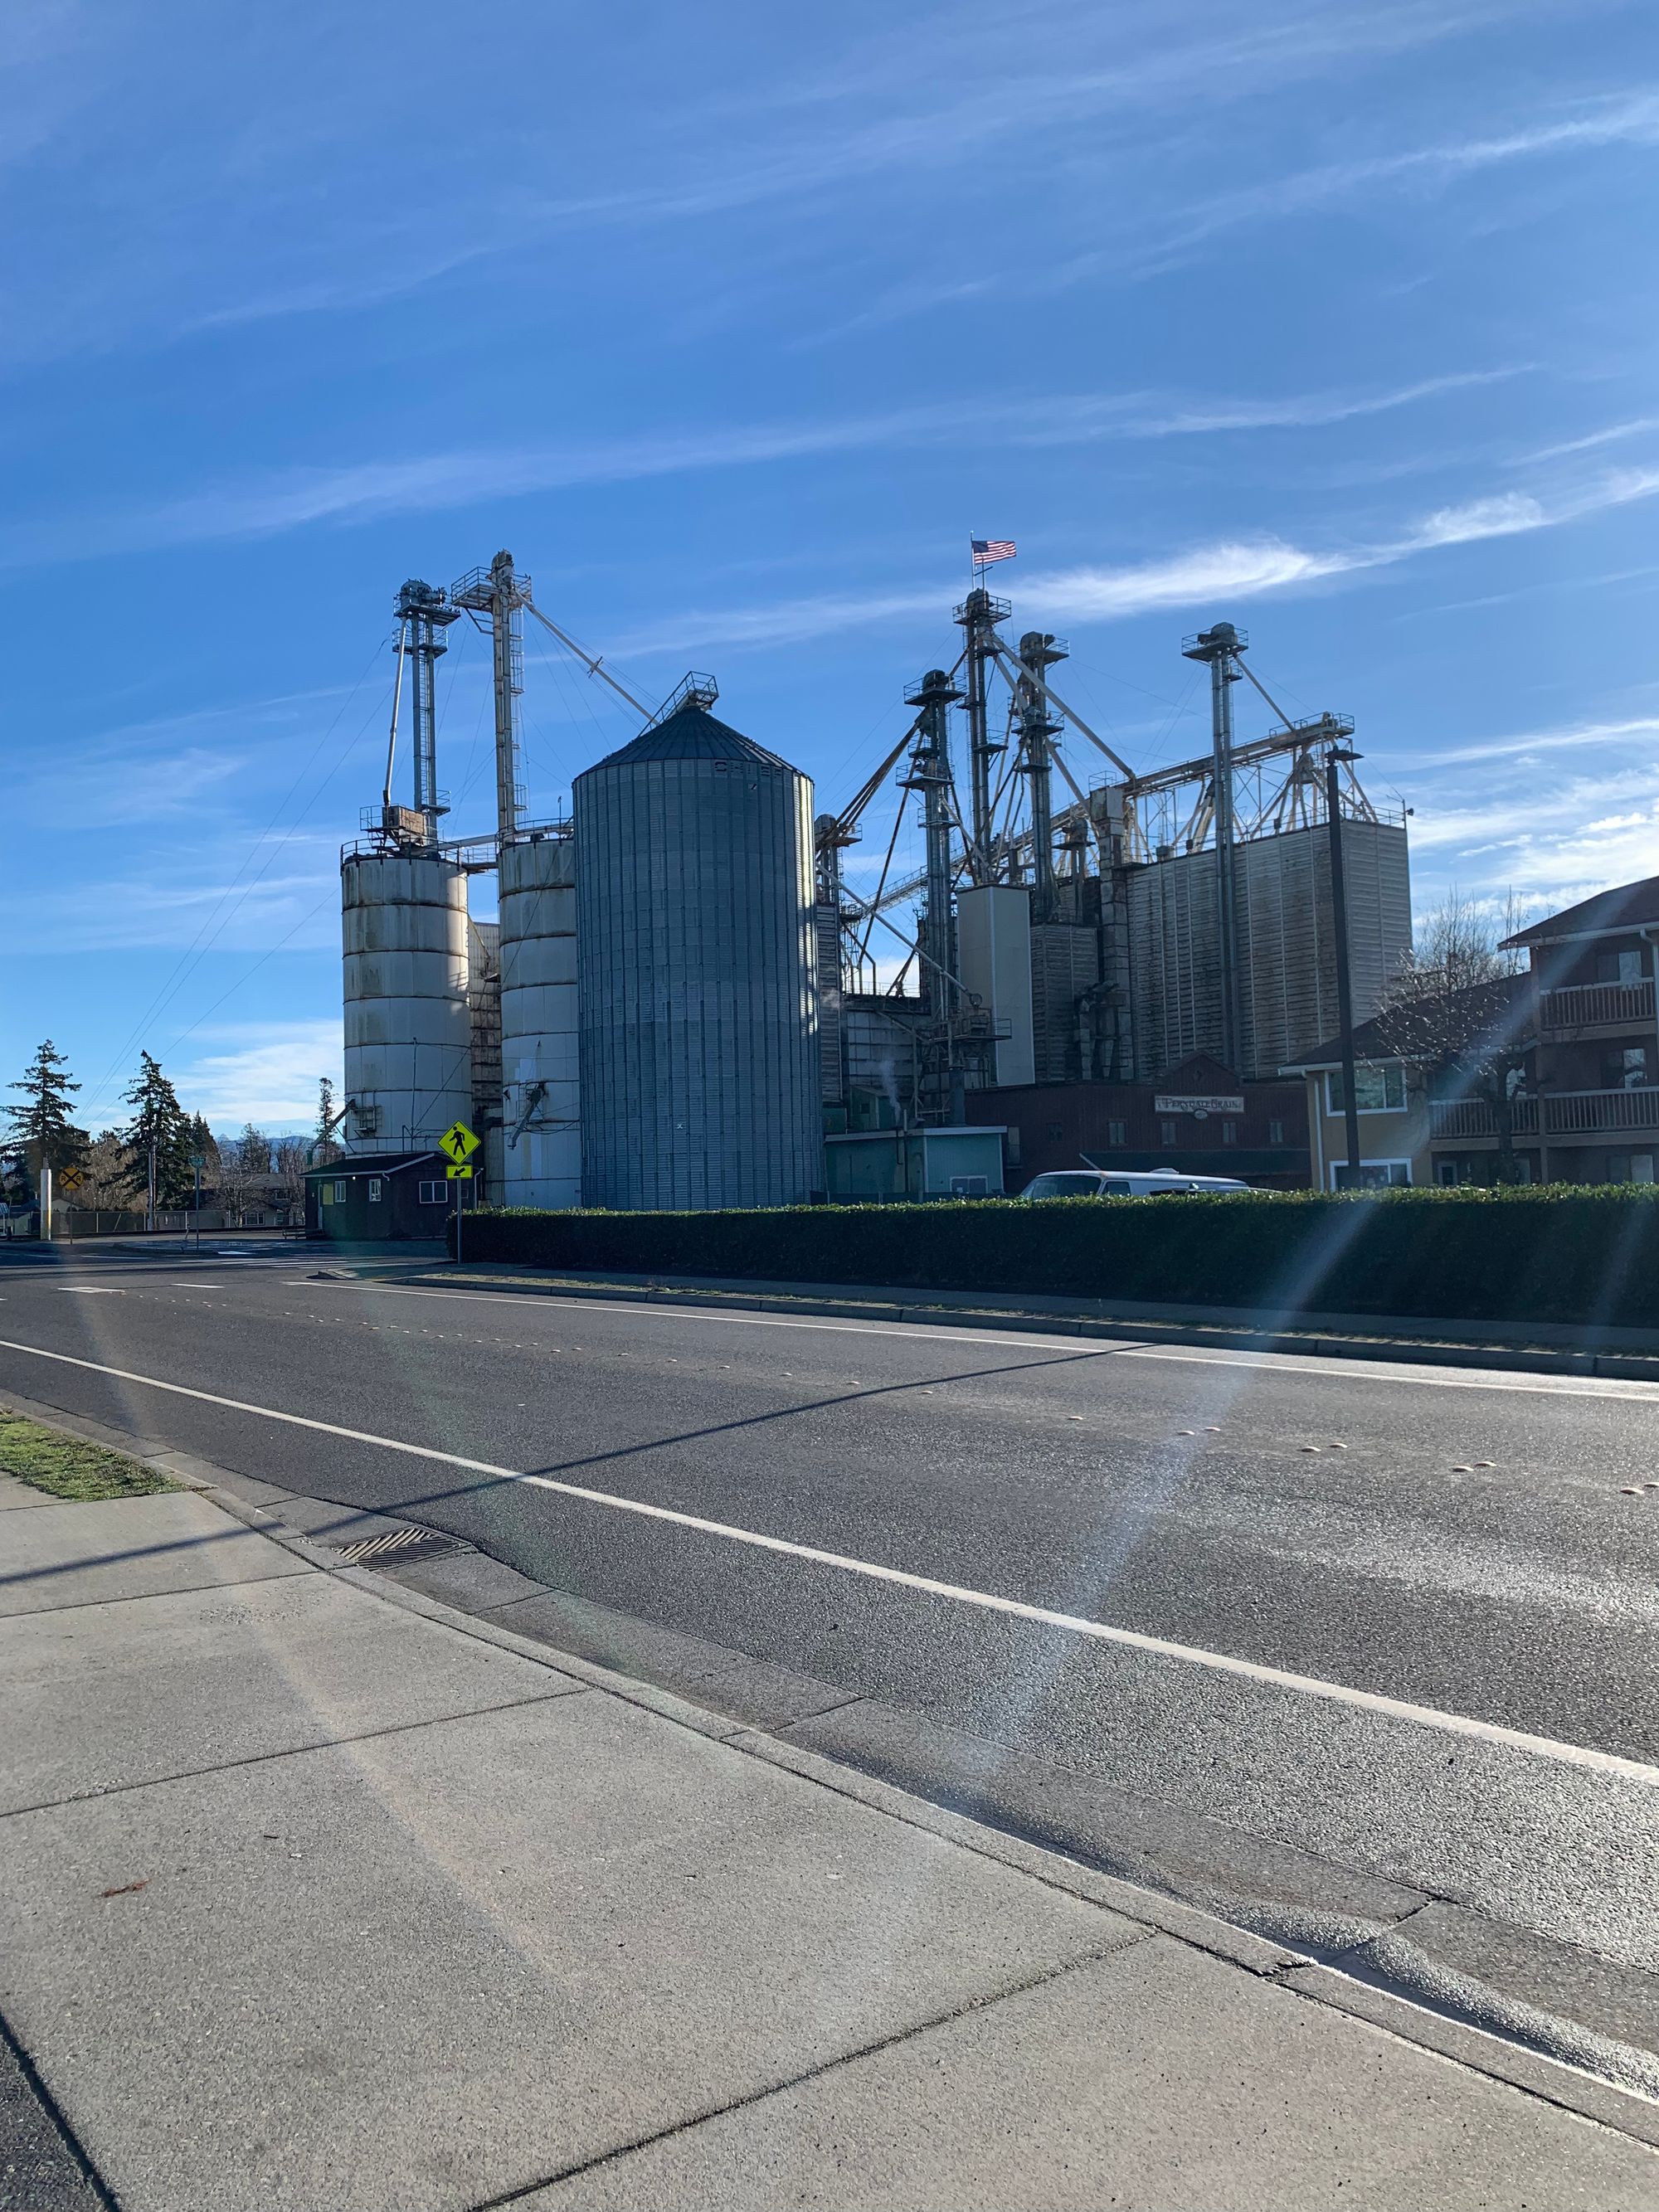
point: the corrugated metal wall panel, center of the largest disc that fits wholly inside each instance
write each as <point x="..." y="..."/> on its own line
<point x="699" y="1065"/>
<point x="540" y="1084"/>
<point x="407" y="1033"/>
<point x="1286" y="946"/>
<point x="1065" y="962"/>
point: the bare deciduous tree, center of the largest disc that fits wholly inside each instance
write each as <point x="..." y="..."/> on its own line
<point x="1455" y="1004"/>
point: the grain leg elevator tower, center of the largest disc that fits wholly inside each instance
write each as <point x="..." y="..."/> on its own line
<point x="639" y="1026"/>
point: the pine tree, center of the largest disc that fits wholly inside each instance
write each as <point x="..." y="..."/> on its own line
<point x="327" y="1114"/>
<point x="203" y="1141"/>
<point x="42" y="1122"/>
<point x="161" y="1128"/>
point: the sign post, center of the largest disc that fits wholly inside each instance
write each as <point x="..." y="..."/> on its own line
<point x="458" y="1143"/>
<point x="197" y="1161"/>
<point x="69" y="1180"/>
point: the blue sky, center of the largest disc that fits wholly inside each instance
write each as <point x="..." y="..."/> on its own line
<point x="734" y="323"/>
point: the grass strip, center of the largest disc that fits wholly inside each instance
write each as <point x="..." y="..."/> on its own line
<point x="65" y="1468"/>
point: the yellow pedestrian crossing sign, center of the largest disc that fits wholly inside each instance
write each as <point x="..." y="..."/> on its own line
<point x="458" y="1142"/>
<point x="462" y="1173"/>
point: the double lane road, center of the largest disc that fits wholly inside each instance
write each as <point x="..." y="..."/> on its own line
<point x="1401" y="1622"/>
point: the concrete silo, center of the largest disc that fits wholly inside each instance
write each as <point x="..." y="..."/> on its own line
<point x="407" y="1031"/>
<point x="698" y="1002"/>
<point x="540" y="1077"/>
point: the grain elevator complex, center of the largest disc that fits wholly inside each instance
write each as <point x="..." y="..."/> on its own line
<point x="693" y="997"/>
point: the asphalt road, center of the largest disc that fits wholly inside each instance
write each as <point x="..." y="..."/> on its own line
<point x="1439" y="1538"/>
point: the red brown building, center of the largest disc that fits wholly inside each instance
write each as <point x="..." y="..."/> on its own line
<point x="1198" y="1119"/>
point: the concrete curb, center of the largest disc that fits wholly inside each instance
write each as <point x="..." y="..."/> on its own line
<point x="1412" y="2018"/>
<point x="1527" y="1360"/>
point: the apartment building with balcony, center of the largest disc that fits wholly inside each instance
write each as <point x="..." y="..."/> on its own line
<point x="1594" y="1086"/>
<point x="1420" y="1120"/>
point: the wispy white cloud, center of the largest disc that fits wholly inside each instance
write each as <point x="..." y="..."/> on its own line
<point x="1595" y="581"/>
<point x="1163" y="236"/>
<point x="99" y="791"/>
<point x="266" y="1073"/>
<point x="1235" y="569"/>
<point x="296" y="499"/>
<point x="179" y="902"/>
<point x="1571" y="739"/>
<point x="1614" y="432"/>
<point x="1629" y="118"/>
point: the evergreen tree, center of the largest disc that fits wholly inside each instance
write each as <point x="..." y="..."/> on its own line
<point x="253" y="1150"/>
<point x="161" y="1127"/>
<point x="42" y="1122"/>
<point x="203" y="1141"/>
<point x="327" y="1117"/>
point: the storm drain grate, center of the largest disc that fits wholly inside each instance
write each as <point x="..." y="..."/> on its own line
<point x="399" y="1543"/>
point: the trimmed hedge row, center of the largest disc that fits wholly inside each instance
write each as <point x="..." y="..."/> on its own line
<point x="1556" y="1253"/>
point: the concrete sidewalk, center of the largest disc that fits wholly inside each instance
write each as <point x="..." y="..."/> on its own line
<point x="314" y="1894"/>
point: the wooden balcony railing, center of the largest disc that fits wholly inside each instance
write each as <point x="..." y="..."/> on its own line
<point x="1595" y="1006"/>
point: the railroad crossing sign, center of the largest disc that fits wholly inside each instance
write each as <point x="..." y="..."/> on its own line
<point x="459" y="1171"/>
<point x="458" y="1142"/>
<point x="69" y="1178"/>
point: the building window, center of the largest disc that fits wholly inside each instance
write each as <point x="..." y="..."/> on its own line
<point x="375" y="1189"/>
<point x="1374" y="1174"/>
<point x="434" y="1193"/>
<point x="1117" y="1132"/>
<point x="1625" y="1067"/>
<point x="1167" y="1133"/>
<point x="1275" y="1133"/>
<point x="334" y="1194"/>
<point x="1230" y="1133"/>
<point x="1618" y="967"/>
<point x="1630" y="1167"/>
<point x="1377" y="1089"/>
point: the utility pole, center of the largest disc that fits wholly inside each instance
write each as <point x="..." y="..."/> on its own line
<point x="150" y="1193"/>
<point x="1218" y="645"/>
<point x="1334" y="760"/>
<point x="979" y="615"/>
<point x="1038" y="652"/>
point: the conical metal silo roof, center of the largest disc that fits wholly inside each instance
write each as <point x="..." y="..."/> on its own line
<point x="690" y="732"/>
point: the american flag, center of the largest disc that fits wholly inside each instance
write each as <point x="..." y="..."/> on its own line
<point x="986" y="550"/>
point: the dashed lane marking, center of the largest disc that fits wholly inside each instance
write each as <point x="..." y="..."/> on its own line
<point x="1156" y="1647"/>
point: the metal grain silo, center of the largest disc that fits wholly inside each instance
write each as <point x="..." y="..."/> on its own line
<point x="698" y="1003"/>
<point x="407" y="1033"/>
<point x="540" y="1122"/>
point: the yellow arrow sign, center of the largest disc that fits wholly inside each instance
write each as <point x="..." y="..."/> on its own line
<point x="458" y="1142"/>
<point x="458" y="1174"/>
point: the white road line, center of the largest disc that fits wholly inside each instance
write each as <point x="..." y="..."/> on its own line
<point x="1279" y="1362"/>
<point x="1341" y="1693"/>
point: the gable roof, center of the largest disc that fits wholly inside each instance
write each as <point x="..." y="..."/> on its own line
<point x="691" y="733"/>
<point x="1627" y="905"/>
<point x="1503" y="1007"/>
